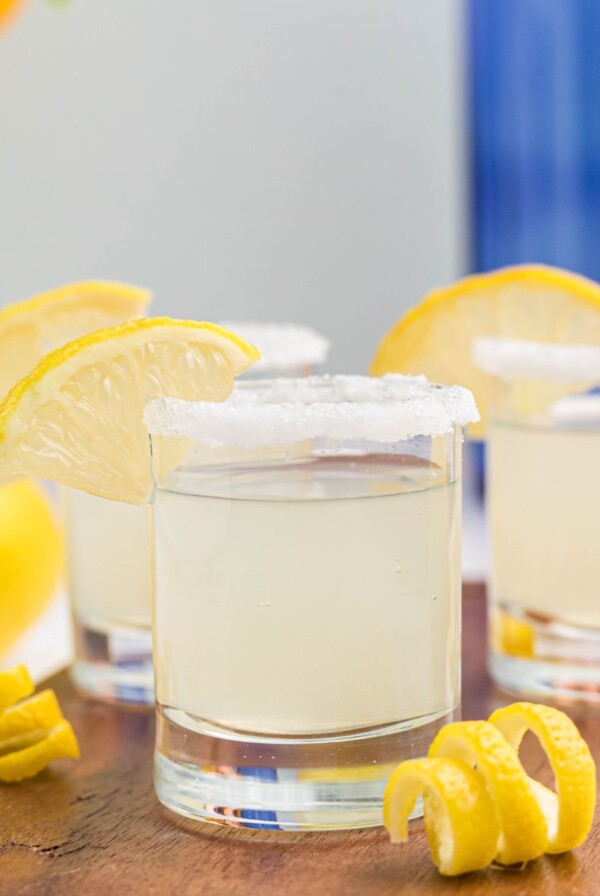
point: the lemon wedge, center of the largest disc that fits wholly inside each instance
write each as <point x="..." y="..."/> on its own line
<point x="33" y="327"/>
<point x="77" y="417"/>
<point x="530" y="302"/>
<point x="480" y="745"/>
<point x="570" y="811"/>
<point x="460" y="820"/>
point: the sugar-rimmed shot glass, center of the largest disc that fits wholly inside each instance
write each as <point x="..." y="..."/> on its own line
<point x="307" y="594"/>
<point x="108" y="550"/>
<point x="543" y="487"/>
<point x="286" y="349"/>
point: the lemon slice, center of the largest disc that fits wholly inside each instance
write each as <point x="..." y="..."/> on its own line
<point x="38" y="751"/>
<point x="35" y="326"/>
<point x="460" y="820"/>
<point x="531" y="302"/>
<point x="77" y="417"/>
<point x="570" y="811"/>
<point x="14" y="685"/>
<point x="523" y="832"/>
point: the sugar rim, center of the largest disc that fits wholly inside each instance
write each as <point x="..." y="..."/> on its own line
<point x="514" y="359"/>
<point x="384" y="409"/>
<point x="283" y="346"/>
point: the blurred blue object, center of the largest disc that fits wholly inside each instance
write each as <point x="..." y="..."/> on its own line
<point x="535" y="137"/>
<point x="535" y="133"/>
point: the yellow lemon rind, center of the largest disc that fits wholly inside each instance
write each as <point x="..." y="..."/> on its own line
<point x="480" y="744"/>
<point x="36" y="713"/>
<point x="96" y="292"/>
<point x="240" y="353"/>
<point x="460" y="821"/>
<point x="15" y="685"/>
<point x="572" y="807"/>
<point x="59" y="743"/>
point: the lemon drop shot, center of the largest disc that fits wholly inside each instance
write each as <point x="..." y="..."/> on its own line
<point x="544" y="508"/>
<point x="77" y="419"/>
<point x="307" y="595"/>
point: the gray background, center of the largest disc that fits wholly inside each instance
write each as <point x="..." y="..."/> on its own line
<point x="273" y="159"/>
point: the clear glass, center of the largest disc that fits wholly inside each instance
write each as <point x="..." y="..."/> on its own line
<point x="108" y="573"/>
<point x="307" y="626"/>
<point x="544" y="508"/>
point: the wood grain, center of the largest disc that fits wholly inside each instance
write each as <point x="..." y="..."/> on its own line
<point x="95" y="827"/>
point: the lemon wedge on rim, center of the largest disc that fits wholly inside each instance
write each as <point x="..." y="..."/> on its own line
<point x="31" y="328"/>
<point x="77" y="417"/>
<point x="525" y="302"/>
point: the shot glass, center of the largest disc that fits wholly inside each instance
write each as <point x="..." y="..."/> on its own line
<point x="108" y="552"/>
<point x="543" y="486"/>
<point x="286" y="349"/>
<point x="109" y="582"/>
<point x="307" y="595"/>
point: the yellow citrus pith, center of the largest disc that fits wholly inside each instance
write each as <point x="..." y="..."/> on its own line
<point x="30" y="557"/>
<point x="77" y="417"/>
<point x="531" y="302"/>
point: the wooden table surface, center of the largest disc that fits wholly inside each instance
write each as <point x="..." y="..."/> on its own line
<point x="95" y="827"/>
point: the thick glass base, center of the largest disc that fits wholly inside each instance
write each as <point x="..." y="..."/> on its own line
<point x="326" y="782"/>
<point x="544" y="657"/>
<point x="114" y="665"/>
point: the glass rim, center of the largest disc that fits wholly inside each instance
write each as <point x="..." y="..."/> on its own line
<point x="386" y="410"/>
<point x="283" y="346"/>
<point x="511" y="359"/>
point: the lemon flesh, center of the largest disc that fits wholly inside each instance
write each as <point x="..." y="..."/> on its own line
<point x="77" y="417"/>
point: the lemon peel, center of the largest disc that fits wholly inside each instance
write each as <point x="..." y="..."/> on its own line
<point x="478" y="800"/>
<point x="58" y="743"/>
<point x="481" y="745"/>
<point x="14" y="685"/>
<point x="33" y="732"/>
<point x="460" y="820"/>
<point x="570" y="811"/>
